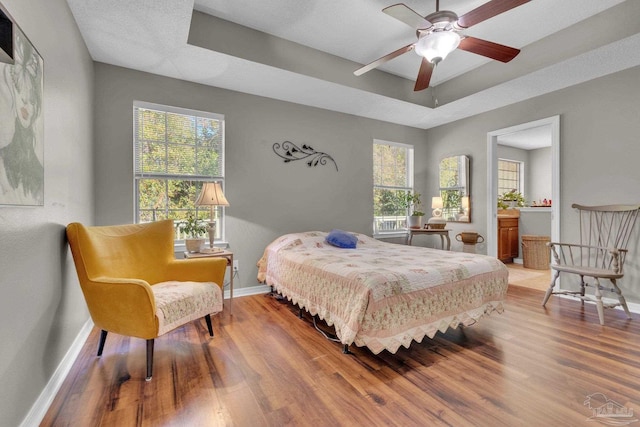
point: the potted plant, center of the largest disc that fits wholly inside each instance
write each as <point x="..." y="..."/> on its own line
<point x="511" y="199"/>
<point x="412" y="203"/>
<point x="194" y="228"/>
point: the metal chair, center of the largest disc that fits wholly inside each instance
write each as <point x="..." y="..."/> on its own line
<point x="604" y="236"/>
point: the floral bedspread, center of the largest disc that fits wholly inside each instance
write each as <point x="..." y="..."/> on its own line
<point x="383" y="295"/>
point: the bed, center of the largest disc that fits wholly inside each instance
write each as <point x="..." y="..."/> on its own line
<point x="383" y="295"/>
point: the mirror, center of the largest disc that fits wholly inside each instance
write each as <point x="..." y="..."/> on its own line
<point x="454" y="189"/>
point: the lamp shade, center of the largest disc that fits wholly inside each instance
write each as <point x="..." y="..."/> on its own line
<point x="465" y="202"/>
<point x="436" y="46"/>
<point x="436" y="203"/>
<point x="211" y="195"/>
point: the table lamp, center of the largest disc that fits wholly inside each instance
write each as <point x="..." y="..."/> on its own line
<point x="465" y="203"/>
<point x="211" y="195"/>
<point x="436" y="205"/>
<point x="463" y="215"/>
<point x="436" y="220"/>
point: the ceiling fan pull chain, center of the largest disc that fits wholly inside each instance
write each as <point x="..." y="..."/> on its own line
<point x="434" y="95"/>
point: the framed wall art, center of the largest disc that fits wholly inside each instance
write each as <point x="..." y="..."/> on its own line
<point x="21" y="120"/>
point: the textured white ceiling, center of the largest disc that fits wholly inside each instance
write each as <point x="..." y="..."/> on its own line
<point x="152" y="36"/>
<point x="528" y="139"/>
<point x="358" y="29"/>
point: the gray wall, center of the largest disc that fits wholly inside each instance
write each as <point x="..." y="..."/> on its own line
<point x="267" y="197"/>
<point x="538" y="180"/>
<point x="599" y="151"/>
<point x="41" y="308"/>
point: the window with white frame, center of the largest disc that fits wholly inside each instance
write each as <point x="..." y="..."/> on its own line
<point x="175" y="152"/>
<point x="509" y="176"/>
<point x="392" y="179"/>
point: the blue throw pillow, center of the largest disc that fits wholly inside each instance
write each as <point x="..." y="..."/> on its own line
<point x="342" y="239"/>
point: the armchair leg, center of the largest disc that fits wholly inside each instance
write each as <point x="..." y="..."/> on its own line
<point x="149" y="359"/>
<point x="103" y="338"/>
<point x="207" y="318"/>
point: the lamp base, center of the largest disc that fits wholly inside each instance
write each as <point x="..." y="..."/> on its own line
<point x="212" y="233"/>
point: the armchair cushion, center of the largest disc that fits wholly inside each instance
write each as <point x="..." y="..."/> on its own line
<point x="180" y="302"/>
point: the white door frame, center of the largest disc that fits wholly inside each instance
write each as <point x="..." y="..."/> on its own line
<point x="492" y="179"/>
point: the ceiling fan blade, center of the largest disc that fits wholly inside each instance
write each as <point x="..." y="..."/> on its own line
<point x="488" y="10"/>
<point x="424" y="75"/>
<point x="404" y="13"/>
<point x="378" y="62"/>
<point x="489" y="49"/>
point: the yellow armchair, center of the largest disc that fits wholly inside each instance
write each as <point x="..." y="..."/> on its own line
<point x="134" y="286"/>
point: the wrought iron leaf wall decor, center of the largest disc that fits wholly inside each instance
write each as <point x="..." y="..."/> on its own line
<point x="290" y="152"/>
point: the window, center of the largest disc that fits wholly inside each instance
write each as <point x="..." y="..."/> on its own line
<point x="392" y="178"/>
<point x="509" y="176"/>
<point x="454" y="187"/>
<point x="175" y="152"/>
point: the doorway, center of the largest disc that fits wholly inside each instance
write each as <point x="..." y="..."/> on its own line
<point x="519" y="134"/>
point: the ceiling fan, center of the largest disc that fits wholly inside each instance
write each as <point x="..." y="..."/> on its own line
<point x="439" y="34"/>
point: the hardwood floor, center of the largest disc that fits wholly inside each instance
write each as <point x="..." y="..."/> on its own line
<point x="265" y="367"/>
<point x="529" y="278"/>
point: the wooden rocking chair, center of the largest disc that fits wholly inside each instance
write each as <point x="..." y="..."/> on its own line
<point x="604" y="235"/>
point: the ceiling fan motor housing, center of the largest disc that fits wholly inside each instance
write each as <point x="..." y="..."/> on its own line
<point x="437" y="41"/>
<point x="443" y="19"/>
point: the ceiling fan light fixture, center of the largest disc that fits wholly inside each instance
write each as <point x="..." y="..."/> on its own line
<point x="437" y="45"/>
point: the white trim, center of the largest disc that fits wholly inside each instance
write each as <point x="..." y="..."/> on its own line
<point x="633" y="307"/>
<point x="392" y="235"/>
<point x="177" y="110"/>
<point x="529" y="209"/>
<point x="251" y="290"/>
<point x="396" y="144"/>
<point x="41" y="405"/>
<point x="179" y="247"/>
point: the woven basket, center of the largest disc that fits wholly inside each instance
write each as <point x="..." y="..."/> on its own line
<point x="437" y="226"/>
<point x="536" y="253"/>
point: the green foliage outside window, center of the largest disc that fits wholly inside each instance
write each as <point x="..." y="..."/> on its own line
<point x="392" y="169"/>
<point x="450" y="189"/>
<point x="175" y="154"/>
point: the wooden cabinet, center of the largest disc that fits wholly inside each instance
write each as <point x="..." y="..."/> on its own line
<point x="507" y="239"/>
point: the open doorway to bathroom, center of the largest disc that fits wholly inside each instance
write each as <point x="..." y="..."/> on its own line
<point x="524" y="158"/>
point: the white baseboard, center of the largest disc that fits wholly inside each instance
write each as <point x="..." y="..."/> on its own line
<point x="252" y="290"/>
<point x="41" y="405"/>
<point x="632" y="306"/>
